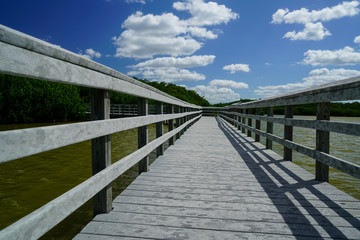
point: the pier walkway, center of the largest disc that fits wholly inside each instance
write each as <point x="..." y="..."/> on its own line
<point x="217" y="183"/>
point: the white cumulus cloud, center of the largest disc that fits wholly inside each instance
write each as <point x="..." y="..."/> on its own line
<point x="146" y="36"/>
<point x="303" y="15"/>
<point x="220" y="90"/>
<point x="316" y="77"/>
<point x="312" y="31"/>
<point x="312" y="20"/>
<point x="90" y="53"/>
<point x="171" y="69"/>
<point x="168" y="74"/>
<point x="357" y="39"/>
<point x="216" y="95"/>
<point x="205" y="14"/>
<point x="237" y="67"/>
<point x="340" y="57"/>
<point x="228" y="84"/>
<point x="185" y="62"/>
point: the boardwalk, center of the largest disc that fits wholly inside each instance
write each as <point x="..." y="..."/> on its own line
<point x="215" y="183"/>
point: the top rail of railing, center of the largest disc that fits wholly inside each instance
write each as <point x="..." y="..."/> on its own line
<point x="343" y="90"/>
<point x="27" y="56"/>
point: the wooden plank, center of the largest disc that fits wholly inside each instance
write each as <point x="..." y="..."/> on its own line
<point x="245" y="189"/>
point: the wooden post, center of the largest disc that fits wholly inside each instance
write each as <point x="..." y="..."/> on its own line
<point x="322" y="142"/>
<point x="239" y="120"/>
<point x="257" y="125"/>
<point x="269" y="127"/>
<point x="288" y="132"/>
<point x="101" y="149"/>
<point x="171" y="123"/>
<point x="177" y="122"/>
<point x="159" y="128"/>
<point x="243" y="120"/>
<point x="143" y="134"/>
<point x="249" y="111"/>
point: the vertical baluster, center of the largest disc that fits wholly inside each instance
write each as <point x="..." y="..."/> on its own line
<point x="177" y="122"/>
<point x="243" y="120"/>
<point x="101" y="149"/>
<point x="159" y="128"/>
<point x="322" y="142"/>
<point x="269" y="127"/>
<point x="249" y="111"/>
<point x="239" y="120"/>
<point x="143" y="134"/>
<point x="171" y="122"/>
<point x="288" y="132"/>
<point x="257" y="125"/>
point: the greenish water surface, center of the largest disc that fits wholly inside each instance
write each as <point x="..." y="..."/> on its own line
<point x="28" y="183"/>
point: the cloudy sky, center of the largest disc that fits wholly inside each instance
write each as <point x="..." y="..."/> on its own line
<point x="223" y="49"/>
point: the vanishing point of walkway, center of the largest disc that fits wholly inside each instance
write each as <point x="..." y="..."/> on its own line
<point x="216" y="183"/>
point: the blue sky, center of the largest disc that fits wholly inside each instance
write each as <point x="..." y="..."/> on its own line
<point x="224" y="49"/>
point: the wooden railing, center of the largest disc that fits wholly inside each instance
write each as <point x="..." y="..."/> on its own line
<point x="242" y="116"/>
<point x="22" y="55"/>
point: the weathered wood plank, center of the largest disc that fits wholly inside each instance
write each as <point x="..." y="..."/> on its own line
<point x="245" y="191"/>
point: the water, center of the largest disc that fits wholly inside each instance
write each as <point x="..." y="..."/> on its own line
<point x="27" y="184"/>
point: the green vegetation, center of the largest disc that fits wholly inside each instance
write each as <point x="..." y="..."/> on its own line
<point x="24" y="100"/>
<point x="179" y="92"/>
<point x="27" y="100"/>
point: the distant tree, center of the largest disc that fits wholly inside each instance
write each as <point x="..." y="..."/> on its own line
<point x="28" y="100"/>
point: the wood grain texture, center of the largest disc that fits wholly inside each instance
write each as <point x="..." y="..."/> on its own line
<point x="216" y="183"/>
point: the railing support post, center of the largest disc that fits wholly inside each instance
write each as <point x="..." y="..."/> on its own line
<point x="249" y="111"/>
<point x="171" y="123"/>
<point x="288" y="132"/>
<point x="322" y="142"/>
<point x="243" y="120"/>
<point x="269" y="127"/>
<point x="143" y="134"/>
<point x="239" y="120"/>
<point x="257" y="126"/>
<point x="177" y="122"/>
<point x="159" y="128"/>
<point x="101" y="149"/>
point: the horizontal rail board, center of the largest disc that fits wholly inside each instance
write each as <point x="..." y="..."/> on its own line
<point x="337" y="163"/>
<point x="343" y="90"/>
<point x="338" y="127"/>
<point x="41" y="139"/>
<point x="40" y="221"/>
<point x="23" y="55"/>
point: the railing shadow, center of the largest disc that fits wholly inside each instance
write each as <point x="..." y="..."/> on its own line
<point x="279" y="195"/>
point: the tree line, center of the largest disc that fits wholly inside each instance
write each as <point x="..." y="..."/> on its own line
<point x="28" y="100"/>
<point x="24" y="100"/>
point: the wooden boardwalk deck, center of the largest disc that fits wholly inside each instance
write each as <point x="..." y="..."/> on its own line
<point x="216" y="183"/>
